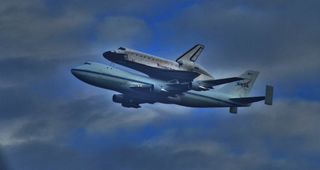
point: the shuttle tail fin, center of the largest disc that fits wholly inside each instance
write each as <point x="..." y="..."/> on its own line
<point x="192" y="54"/>
<point x="241" y="88"/>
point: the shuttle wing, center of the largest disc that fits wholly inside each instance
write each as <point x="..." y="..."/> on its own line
<point x="182" y="76"/>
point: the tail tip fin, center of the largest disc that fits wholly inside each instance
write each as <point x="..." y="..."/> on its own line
<point x="243" y="87"/>
<point x="192" y="54"/>
<point x="269" y="95"/>
<point x="250" y="74"/>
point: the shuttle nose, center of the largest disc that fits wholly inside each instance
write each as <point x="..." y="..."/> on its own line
<point x="107" y="55"/>
<point x="113" y="55"/>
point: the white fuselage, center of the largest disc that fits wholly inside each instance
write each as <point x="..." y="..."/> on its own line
<point x="114" y="79"/>
<point x="146" y="63"/>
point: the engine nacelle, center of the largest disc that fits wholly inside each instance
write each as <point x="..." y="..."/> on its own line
<point x="125" y="102"/>
<point x="119" y="98"/>
<point x="159" y="88"/>
<point x="197" y="86"/>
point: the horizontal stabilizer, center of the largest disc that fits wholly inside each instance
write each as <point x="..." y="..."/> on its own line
<point x="221" y="81"/>
<point x="248" y="100"/>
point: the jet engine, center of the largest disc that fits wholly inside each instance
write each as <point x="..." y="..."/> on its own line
<point x="118" y="98"/>
<point x="125" y="102"/>
<point x="198" y="86"/>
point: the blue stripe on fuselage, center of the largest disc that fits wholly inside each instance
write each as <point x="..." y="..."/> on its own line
<point x="189" y="92"/>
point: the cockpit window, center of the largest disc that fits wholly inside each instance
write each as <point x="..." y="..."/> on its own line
<point x="122" y="48"/>
<point x="87" y="63"/>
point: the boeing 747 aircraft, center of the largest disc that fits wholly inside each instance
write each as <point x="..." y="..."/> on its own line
<point x="137" y="89"/>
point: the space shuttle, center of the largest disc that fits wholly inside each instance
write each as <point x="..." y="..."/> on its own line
<point x="183" y="69"/>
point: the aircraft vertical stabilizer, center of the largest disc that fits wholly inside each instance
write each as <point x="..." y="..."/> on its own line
<point x="269" y="95"/>
<point x="241" y="88"/>
<point x="192" y="54"/>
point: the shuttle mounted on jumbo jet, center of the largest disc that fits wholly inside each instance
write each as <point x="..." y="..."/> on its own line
<point x="137" y="89"/>
<point x="155" y="66"/>
<point x="183" y="69"/>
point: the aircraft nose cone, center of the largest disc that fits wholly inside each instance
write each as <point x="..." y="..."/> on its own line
<point x="74" y="72"/>
<point x="77" y="72"/>
<point x="113" y="56"/>
<point x="109" y="55"/>
<point x="106" y="54"/>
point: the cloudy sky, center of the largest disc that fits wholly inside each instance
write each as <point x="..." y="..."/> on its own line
<point x="50" y="120"/>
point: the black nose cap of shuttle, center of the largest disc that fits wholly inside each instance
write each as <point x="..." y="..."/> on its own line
<point x="113" y="56"/>
<point x="107" y="55"/>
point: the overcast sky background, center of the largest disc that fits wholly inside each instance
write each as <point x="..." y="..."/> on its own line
<point x="51" y="120"/>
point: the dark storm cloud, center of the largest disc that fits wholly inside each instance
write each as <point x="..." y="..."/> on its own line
<point x="3" y="161"/>
<point x="50" y="29"/>
<point x="24" y="70"/>
<point x="39" y="119"/>
<point x="34" y="70"/>
<point x="267" y="34"/>
<point x="27" y="82"/>
<point x="286" y="141"/>
<point x="56" y="120"/>
<point x="31" y="155"/>
<point x="30" y="30"/>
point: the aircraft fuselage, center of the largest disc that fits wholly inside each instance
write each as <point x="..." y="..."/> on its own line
<point x="150" y="64"/>
<point x="145" y="89"/>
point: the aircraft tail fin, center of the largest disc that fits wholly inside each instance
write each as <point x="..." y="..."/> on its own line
<point x="241" y="88"/>
<point x="192" y="54"/>
<point x="248" y="100"/>
<point x="269" y="95"/>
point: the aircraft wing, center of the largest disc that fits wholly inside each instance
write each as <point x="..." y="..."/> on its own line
<point x="182" y="76"/>
<point x="166" y="89"/>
